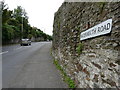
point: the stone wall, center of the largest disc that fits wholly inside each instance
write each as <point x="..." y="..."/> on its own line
<point x="98" y="64"/>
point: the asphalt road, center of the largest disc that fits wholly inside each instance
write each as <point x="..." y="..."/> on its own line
<point x="29" y="67"/>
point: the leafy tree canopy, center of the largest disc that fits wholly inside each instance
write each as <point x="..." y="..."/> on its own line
<point x="15" y="25"/>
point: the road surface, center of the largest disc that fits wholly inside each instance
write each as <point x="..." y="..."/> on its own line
<point x="30" y="67"/>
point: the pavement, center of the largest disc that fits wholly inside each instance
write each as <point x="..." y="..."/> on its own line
<point x="30" y="67"/>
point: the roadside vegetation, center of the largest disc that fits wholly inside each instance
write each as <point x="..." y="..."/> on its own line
<point x="15" y="25"/>
<point x="79" y="48"/>
<point x="66" y="78"/>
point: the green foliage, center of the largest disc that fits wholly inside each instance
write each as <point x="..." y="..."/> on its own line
<point x="8" y="33"/>
<point x="70" y="82"/>
<point x="6" y="15"/>
<point x="49" y="37"/>
<point x="58" y="24"/>
<point x="15" y="25"/>
<point x="79" y="48"/>
<point x="30" y="36"/>
<point x="101" y="5"/>
<point x="67" y="79"/>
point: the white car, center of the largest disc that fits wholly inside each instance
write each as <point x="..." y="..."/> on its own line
<point x="25" y="42"/>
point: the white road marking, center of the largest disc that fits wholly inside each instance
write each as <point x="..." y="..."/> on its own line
<point x="3" y="52"/>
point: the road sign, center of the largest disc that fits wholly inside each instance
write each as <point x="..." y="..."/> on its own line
<point x="100" y="29"/>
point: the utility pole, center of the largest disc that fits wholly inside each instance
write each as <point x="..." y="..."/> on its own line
<point x="22" y="26"/>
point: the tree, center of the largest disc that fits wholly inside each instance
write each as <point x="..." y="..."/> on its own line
<point x="21" y="16"/>
<point x="15" y="25"/>
<point x="6" y="14"/>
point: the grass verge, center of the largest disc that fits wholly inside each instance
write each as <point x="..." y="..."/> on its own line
<point x="67" y="79"/>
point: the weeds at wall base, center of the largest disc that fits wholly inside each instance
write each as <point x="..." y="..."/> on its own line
<point x="67" y="79"/>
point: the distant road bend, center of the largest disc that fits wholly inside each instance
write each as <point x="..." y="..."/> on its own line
<point x="30" y="67"/>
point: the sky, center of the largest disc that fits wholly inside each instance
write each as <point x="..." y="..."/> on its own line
<point x="40" y="12"/>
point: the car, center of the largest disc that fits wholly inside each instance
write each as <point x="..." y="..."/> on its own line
<point x="25" y="42"/>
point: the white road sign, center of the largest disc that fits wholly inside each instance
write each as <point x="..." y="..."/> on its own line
<point x="100" y="29"/>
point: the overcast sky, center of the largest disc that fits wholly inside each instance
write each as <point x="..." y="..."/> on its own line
<point x="40" y="12"/>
